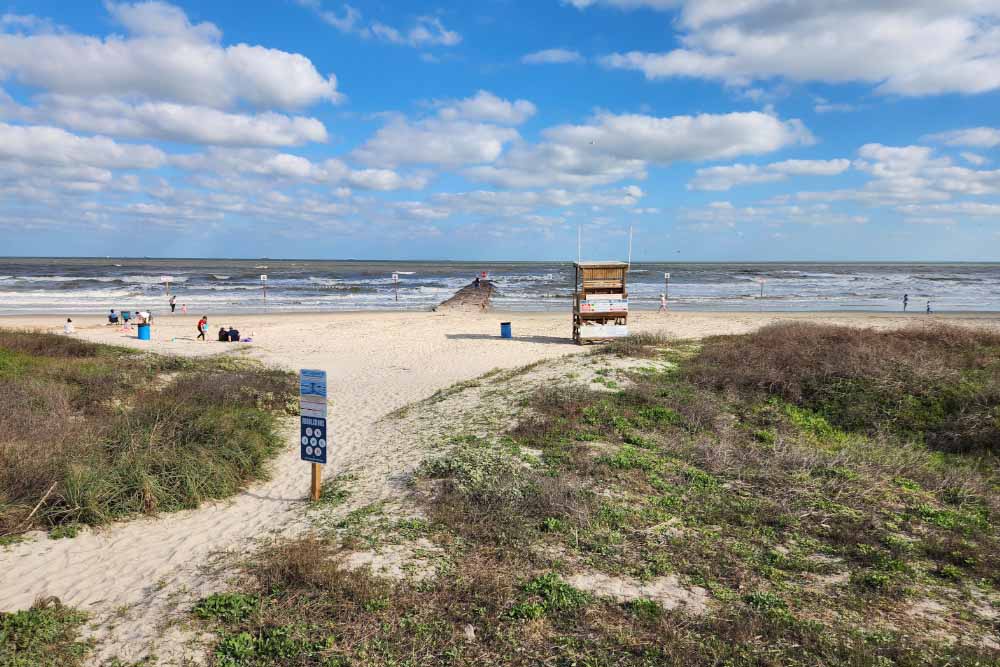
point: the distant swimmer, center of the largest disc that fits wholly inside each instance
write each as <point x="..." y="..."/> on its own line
<point x="906" y="301"/>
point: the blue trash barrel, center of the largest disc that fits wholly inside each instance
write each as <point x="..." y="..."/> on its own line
<point x="143" y="332"/>
<point x="505" y="330"/>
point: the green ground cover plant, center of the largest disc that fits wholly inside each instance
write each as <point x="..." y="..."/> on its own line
<point x="821" y="533"/>
<point x="43" y="636"/>
<point x="93" y="433"/>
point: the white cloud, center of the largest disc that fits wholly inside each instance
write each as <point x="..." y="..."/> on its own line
<point x="974" y="158"/>
<point x="825" y="106"/>
<point x="724" y="215"/>
<point x="435" y="141"/>
<point x="426" y="31"/>
<point x="52" y="145"/>
<point x="271" y="164"/>
<point x="616" y="147"/>
<point x="976" y="137"/>
<point x="726" y="177"/>
<point x="920" y="47"/>
<point x="176" y="122"/>
<point x="486" y="106"/>
<point x="463" y="132"/>
<point x="164" y="57"/>
<point x="552" y="57"/>
<point x="625" y="4"/>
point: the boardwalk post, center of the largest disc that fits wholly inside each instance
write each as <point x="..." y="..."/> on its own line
<point x="317" y="481"/>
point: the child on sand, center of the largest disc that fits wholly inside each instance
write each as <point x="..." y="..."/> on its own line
<point x="663" y="303"/>
<point x="202" y="327"/>
<point x="184" y="309"/>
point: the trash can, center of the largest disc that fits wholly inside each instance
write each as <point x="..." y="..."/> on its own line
<point x="505" y="330"/>
<point x="143" y="332"/>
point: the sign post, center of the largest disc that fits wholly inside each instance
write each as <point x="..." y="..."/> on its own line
<point x="166" y="280"/>
<point x="313" y="439"/>
<point x="263" y="285"/>
<point x="395" y="284"/>
<point x="762" y="281"/>
<point x="666" y="287"/>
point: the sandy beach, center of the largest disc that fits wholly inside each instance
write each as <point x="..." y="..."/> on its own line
<point x="377" y="363"/>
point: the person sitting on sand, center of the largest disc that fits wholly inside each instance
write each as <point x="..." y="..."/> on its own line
<point x="223" y="335"/>
<point x="68" y="327"/>
<point x="234" y="335"/>
<point x="202" y="327"/>
<point x="113" y="317"/>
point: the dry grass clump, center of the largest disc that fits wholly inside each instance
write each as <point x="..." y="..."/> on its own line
<point x="940" y="384"/>
<point x="89" y="434"/>
<point x="636" y="345"/>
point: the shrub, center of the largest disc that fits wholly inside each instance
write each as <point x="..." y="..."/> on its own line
<point x="127" y="442"/>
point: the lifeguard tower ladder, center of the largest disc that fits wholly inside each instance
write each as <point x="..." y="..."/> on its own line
<point x="600" y="301"/>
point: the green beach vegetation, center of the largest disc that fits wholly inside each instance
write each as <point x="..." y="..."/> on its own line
<point x="804" y="495"/>
<point x="93" y="433"/>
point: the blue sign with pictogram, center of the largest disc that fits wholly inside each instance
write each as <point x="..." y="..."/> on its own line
<point x="313" y="439"/>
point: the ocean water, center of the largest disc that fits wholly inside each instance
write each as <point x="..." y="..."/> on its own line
<point x="92" y="286"/>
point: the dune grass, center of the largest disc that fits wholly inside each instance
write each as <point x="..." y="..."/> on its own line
<point x="92" y="433"/>
<point x="817" y="539"/>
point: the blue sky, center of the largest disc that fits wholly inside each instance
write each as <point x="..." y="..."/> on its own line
<point x="761" y="130"/>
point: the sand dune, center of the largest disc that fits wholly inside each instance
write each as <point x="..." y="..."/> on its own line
<point x="377" y="362"/>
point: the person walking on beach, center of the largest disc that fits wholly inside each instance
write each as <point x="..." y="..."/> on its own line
<point x="476" y="282"/>
<point x="928" y="307"/>
<point x="202" y="327"/>
<point x="906" y="301"/>
<point x="173" y="303"/>
<point x="184" y="309"/>
<point x="663" y="303"/>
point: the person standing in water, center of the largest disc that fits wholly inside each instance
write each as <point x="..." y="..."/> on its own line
<point x="173" y="302"/>
<point x="906" y="301"/>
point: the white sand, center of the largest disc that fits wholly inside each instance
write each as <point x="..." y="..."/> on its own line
<point x="377" y="362"/>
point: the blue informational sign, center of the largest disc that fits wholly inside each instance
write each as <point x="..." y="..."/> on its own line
<point x="312" y="439"/>
<point x="312" y="422"/>
<point x="312" y="383"/>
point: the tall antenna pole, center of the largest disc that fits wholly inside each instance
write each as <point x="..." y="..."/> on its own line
<point x="579" y="242"/>
<point x="629" y="248"/>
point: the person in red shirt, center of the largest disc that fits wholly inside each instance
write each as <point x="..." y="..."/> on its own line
<point x="202" y="326"/>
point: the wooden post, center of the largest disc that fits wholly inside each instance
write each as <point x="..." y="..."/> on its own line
<point x="317" y="481"/>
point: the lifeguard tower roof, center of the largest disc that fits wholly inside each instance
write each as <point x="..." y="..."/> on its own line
<point x="600" y="265"/>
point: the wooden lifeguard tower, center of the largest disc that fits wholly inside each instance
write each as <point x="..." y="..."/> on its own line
<point x="600" y="301"/>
